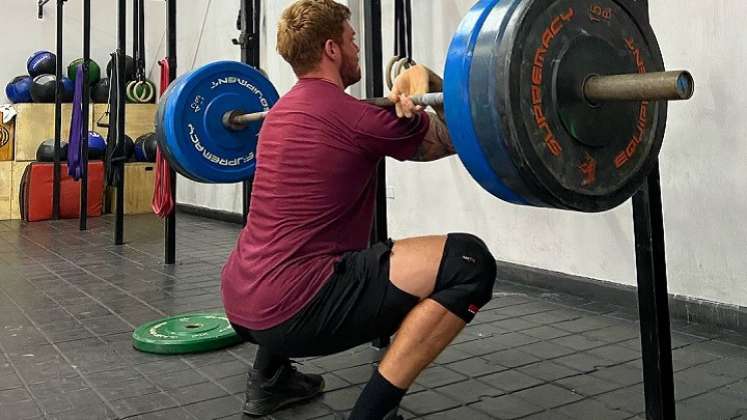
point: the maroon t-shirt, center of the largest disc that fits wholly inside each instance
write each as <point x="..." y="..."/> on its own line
<point x="312" y="198"/>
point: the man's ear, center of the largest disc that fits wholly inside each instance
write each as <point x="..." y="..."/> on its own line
<point x="331" y="49"/>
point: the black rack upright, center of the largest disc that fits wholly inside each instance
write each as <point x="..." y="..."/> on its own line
<point x="170" y="225"/>
<point x="84" y="114"/>
<point x="57" y="111"/>
<point x="249" y="24"/>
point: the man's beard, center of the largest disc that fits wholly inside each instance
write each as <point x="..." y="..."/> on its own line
<point x="350" y="72"/>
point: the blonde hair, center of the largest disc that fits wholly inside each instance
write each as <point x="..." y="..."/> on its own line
<point x="305" y="27"/>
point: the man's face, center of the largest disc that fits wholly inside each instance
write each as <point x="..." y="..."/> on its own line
<point x="350" y="69"/>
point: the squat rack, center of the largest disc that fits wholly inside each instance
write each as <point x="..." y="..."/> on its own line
<point x="85" y="106"/>
<point x="249" y="24"/>
<point x="653" y="305"/>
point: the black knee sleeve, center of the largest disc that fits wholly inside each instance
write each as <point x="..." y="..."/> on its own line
<point x="466" y="276"/>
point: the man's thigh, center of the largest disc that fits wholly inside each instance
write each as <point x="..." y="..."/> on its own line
<point x="357" y="304"/>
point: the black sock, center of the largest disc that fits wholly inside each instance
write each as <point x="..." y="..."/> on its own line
<point x="267" y="363"/>
<point x="377" y="399"/>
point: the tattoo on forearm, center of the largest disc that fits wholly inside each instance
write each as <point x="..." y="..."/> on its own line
<point x="437" y="142"/>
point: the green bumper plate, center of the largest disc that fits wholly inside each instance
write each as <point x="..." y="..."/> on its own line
<point x="187" y="333"/>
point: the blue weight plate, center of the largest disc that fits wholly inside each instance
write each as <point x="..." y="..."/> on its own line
<point x="458" y="107"/>
<point x="487" y="76"/>
<point x="191" y="129"/>
<point x="160" y="135"/>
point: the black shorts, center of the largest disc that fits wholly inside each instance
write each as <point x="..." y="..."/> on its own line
<point x="357" y="305"/>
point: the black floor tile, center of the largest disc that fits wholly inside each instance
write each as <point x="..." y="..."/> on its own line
<point x="87" y="411"/>
<point x="69" y="401"/>
<point x="9" y="379"/>
<point x="14" y="395"/>
<point x="428" y="402"/>
<point x="106" y="325"/>
<point x="341" y="399"/>
<point x="313" y="409"/>
<point x="529" y="353"/>
<point x="587" y="385"/>
<point x="548" y="371"/>
<point x="459" y="413"/>
<point x="545" y="332"/>
<point x="180" y="379"/>
<point x="162" y="366"/>
<point x="712" y="405"/>
<point x="629" y="400"/>
<point x="548" y="415"/>
<point x="548" y="396"/>
<point x="514" y="324"/>
<point x="511" y="358"/>
<point x="685" y="357"/>
<point x="475" y="367"/>
<point x="476" y="347"/>
<point x="143" y="404"/>
<point x="49" y="316"/>
<point x="19" y="410"/>
<point x="614" y="353"/>
<point x="579" y="342"/>
<point x="554" y="316"/>
<point x="215" y="408"/>
<point x="437" y="376"/>
<point x="592" y="410"/>
<point x="225" y="369"/>
<point x="196" y="393"/>
<point x="584" y="324"/>
<point x="507" y="407"/>
<point x="620" y="374"/>
<point x="510" y="381"/>
<point x="469" y="391"/>
<point x="332" y="382"/>
<point x="356" y="375"/>
<point x="452" y="354"/>
<point x="709" y="376"/>
<point x="546" y="350"/>
<point x="168" y="414"/>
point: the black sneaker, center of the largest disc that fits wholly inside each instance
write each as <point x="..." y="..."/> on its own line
<point x="288" y="385"/>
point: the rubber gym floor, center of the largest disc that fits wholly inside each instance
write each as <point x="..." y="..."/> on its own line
<point x="69" y="301"/>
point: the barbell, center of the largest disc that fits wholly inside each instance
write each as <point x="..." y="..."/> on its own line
<point x="558" y="104"/>
<point x="666" y="85"/>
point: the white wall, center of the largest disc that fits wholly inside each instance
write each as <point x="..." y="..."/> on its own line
<point x="442" y="197"/>
<point x="219" y="19"/>
<point x="21" y="34"/>
<point x="703" y="165"/>
<point x="704" y="159"/>
<point x="703" y="162"/>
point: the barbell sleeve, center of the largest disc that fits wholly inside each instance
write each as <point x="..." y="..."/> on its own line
<point x="668" y="85"/>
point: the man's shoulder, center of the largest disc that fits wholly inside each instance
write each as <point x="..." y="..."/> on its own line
<point x="322" y="99"/>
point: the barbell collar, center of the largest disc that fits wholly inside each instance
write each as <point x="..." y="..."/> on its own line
<point x="666" y="85"/>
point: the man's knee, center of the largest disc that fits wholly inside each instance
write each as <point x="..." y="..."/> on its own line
<point x="466" y="276"/>
<point x="483" y="267"/>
